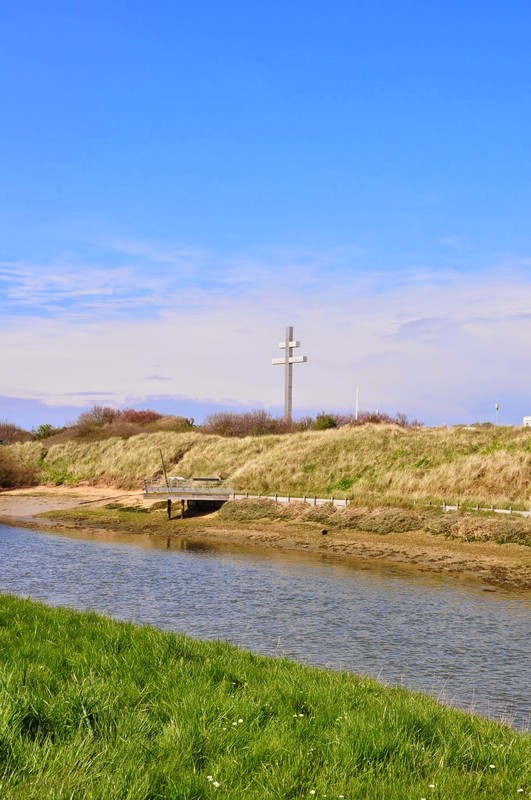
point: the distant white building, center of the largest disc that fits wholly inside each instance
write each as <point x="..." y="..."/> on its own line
<point x="527" y="422"/>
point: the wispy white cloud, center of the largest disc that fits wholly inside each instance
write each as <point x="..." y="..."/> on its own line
<point x="155" y="253"/>
<point x="153" y="277"/>
<point x="70" y="288"/>
<point x="436" y="344"/>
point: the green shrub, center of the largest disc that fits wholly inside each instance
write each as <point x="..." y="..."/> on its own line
<point x="323" y="421"/>
<point x="47" y="430"/>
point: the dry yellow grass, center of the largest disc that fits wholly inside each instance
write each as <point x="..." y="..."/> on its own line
<point x="114" y="462"/>
<point x="372" y="464"/>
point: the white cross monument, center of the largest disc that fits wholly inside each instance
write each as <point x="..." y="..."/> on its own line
<point x="288" y="361"/>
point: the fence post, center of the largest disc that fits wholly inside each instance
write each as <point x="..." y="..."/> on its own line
<point x="315" y="500"/>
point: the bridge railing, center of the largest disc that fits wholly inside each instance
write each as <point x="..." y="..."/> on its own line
<point x="187" y="488"/>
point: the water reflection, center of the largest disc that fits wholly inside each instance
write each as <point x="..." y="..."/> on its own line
<point x="452" y="640"/>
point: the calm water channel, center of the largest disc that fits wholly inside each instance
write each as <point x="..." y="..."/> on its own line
<point x="468" y="647"/>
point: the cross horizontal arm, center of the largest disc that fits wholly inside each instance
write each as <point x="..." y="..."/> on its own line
<point x="290" y="360"/>
<point x="290" y="344"/>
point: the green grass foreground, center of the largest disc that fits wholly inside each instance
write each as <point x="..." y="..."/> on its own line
<point x="92" y="708"/>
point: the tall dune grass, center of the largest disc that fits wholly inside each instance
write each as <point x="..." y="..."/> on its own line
<point x="369" y="464"/>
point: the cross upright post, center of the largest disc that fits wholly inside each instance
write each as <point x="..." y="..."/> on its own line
<point x="289" y="359"/>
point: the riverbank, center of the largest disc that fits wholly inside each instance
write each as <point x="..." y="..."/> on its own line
<point x="96" y="708"/>
<point x="99" y="510"/>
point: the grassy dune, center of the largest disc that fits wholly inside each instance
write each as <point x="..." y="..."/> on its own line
<point x="95" y="709"/>
<point x="382" y="464"/>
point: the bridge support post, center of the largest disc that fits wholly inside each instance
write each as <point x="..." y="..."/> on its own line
<point x="168" y="507"/>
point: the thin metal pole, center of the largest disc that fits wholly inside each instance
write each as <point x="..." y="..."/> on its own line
<point x="164" y="470"/>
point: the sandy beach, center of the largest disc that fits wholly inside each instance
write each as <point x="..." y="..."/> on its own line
<point x="493" y="564"/>
<point x="24" y="505"/>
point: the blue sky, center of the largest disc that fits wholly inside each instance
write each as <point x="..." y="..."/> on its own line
<point x="180" y="181"/>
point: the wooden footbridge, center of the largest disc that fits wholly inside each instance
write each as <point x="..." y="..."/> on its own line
<point x="196" y="493"/>
<point x="208" y="489"/>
